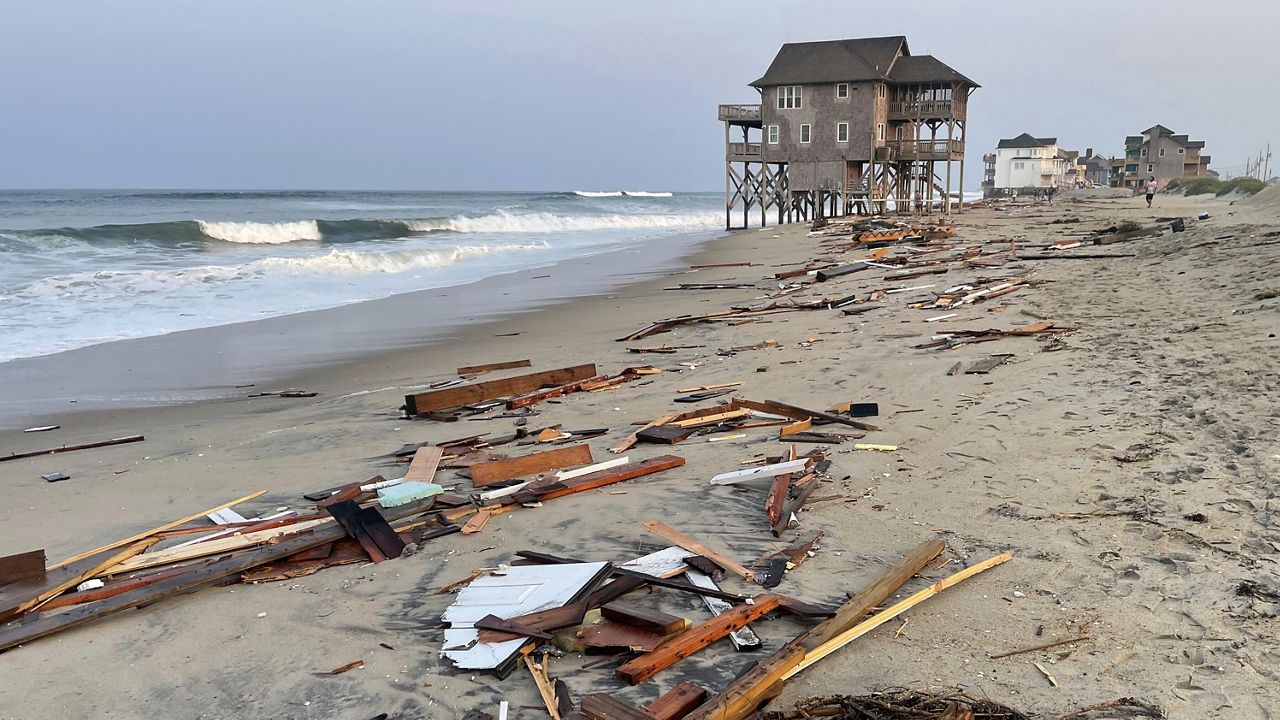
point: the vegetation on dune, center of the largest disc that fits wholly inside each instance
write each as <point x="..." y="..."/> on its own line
<point x="1206" y="185"/>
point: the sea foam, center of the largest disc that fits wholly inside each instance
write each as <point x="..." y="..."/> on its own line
<point x="501" y="222"/>
<point x="256" y="233"/>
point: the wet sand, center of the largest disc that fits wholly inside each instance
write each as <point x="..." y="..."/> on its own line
<point x="1173" y="369"/>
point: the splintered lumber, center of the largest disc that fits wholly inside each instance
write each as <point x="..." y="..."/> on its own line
<point x="774" y="407"/>
<point x="763" y="681"/>
<point x="603" y="706"/>
<point x="477" y="522"/>
<point x="508" y="627"/>
<point x="22" y="567"/>
<point x="672" y="535"/>
<point x="793" y="506"/>
<point x="652" y="621"/>
<point x="490" y="367"/>
<point x="216" y="546"/>
<point x="813" y="655"/>
<point x="677" y="702"/>
<point x="488" y="473"/>
<point x="744" y="639"/>
<point x="72" y="448"/>
<point x="687" y="643"/>
<point x="533" y="398"/>
<point x="36" y="602"/>
<point x="559" y="488"/>
<point x="987" y="364"/>
<point x="776" y="497"/>
<point x="545" y="690"/>
<point x="423" y="466"/>
<point x="162" y="528"/>
<point x="795" y="427"/>
<point x="610" y="635"/>
<point x="421" y="403"/>
<point x="198" y="576"/>
<point x="631" y="439"/>
<point x="713" y="419"/>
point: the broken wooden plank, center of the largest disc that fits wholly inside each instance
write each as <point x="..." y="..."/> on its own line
<point x="421" y="403"/>
<point x="162" y="528"/>
<point x="22" y="567"/>
<point x="987" y="364"/>
<point x="545" y="689"/>
<point x="488" y="473"/>
<point x="664" y="434"/>
<point x="508" y="627"/>
<point x="603" y="706"/>
<point x="670" y="534"/>
<point x="490" y="367"/>
<point x="368" y="528"/>
<point x="424" y="464"/>
<point x="793" y="506"/>
<point x="776" y="498"/>
<point x="677" y="702"/>
<point x="774" y="407"/>
<point x="611" y="635"/>
<point x="744" y="639"/>
<point x="638" y="579"/>
<point x="230" y="543"/>
<point x="761" y="682"/>
<point x="73" y="448"/>
<point x="761" y="472"/>
<point x="687" y="643"/>
<point x="653" y="621"/>
<point x="594" y="480"/>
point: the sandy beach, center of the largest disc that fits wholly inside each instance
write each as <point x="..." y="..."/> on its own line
<point x="1129" y="466"/>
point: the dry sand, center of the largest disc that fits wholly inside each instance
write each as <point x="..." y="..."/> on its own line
<point x="1173" y="354"/>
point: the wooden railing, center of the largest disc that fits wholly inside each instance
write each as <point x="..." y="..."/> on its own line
<point x="926" y="149"/>
<point x="743" y="150"/>
<point x="899" y="109"/>
<point x="739" y="112"/>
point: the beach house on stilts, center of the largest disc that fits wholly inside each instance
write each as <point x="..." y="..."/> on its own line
<point x="844" y="124"/>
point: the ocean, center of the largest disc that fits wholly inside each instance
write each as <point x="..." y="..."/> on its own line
<point x="80" y="268"/>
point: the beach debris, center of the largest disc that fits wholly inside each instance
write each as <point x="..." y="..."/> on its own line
<point x="42" y="428"/>
<point x="407" y="492"/>
<point x="24" y="567"/>
<point x="55" y="477"/>
<point x="73" y="448"/>
<point x="461" y="395"/>
<point x="670" y="534"/>
<point x="987" y="364"/>
<point x="284" y="394"/>
<point x="491" y="367"/>
<point x="354" y="664"/>
<point x="494" y="471"/>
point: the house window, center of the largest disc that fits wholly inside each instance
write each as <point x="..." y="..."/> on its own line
<point x="880" y="131"/>
<point x="1144" y="152"/>
<point x="880" y="90"/>
<point x="1017" y="166"/>
<point x="1150" y="168"/>
<point x="773" y="134"/>
<point x="806" y="133"/>
<point x="789" y="97"/>
<point x="1161" y="152"/>
<point x="1182" y="151"/>
<point x="842" y="90"/>
<point x="842" y="132"/>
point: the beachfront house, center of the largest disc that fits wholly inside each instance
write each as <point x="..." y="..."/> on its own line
<point x="1159" y="152"/>
<point x="1097" y="169"/>
<point x="1029" y="164"/>
<point x="844" y="125"/>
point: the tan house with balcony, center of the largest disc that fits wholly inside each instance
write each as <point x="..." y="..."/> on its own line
<point x="1159" y="152"/>
<point x="845" y="124"/>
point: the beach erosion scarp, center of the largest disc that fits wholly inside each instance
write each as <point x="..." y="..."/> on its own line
<point x="1124" y="464"/>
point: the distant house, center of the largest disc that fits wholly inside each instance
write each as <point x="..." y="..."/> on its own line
<point x="1097" y="169"/>
<point x="1028" y="163"/>
<point x="1159" y="152"/>
<point x="843" y="123"/>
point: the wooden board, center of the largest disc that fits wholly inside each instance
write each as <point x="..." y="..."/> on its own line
<point x="683" y="645"/>
<point x="753" y="687"/>
<point x="425" y="462"/>
<point x="987" y="364"/>
<point x="490" y="367"/>
<point x="653" y="621"/>
<point x="603" y="706"/>
<point x="452" y="397"/>
<point x="216" y="546"/>
<point x="677" y="702"/>
<point x="670" y="534"/>
<point x="744" y="639"/>
<point x="663" y="434"/>
<point x="773" y="407"/>
<point x="609" y="635"/>
<point x="495" y="471"/>
<point x="713" y="419"/>
<point x="629" y="471"/>
<point x="22" y="567"/>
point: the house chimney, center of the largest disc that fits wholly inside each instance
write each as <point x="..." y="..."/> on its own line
<point x="1088" y="153"/>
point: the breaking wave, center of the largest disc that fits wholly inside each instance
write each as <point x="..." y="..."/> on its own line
<point x="256" y="233"/>
<point x="502" y="222"/>
<point x="336" y="262"/>
<point x="620" y="193"/>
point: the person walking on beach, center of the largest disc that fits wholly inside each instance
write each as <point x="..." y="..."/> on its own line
<point x="1151" y="189"/>
<point x="919" y="202"/>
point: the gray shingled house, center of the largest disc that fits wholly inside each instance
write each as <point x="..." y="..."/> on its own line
<point x="843" y="124"/>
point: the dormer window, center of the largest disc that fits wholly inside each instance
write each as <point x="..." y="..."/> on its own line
<point x="790" y="98"/>
<point x="842" y="91"/>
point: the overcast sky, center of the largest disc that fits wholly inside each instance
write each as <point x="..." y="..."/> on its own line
<point x="490" y="94"/>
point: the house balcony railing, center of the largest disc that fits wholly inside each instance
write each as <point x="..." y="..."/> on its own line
<point x="744" y="151"/>
<point x="927" y="149"/>
<point x="740" y="113"/>
<point x="919" y="109"/>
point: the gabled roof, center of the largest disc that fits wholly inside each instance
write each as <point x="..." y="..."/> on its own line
<point x="1157" y="130"/>
<point x="1025" y="140"/>
<point x="853" y="60"/>
<point x="925" y="69"/>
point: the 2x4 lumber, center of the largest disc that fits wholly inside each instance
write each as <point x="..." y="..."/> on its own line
<point x="494" y="471"/>
<point x="653" y="621"/>
<point x="36" y="602"/>
<point x="424" y="464"/>
<point x="207" y="548"/>
<point x="198" y="577"/>
<point x="806" y="486"/>
<point x="682" y="646"/>
<point x="420" y="403"/>
<point x="677" y="702"/>
<point x="537" y="396"/>
<point x="753" y="687"/>
<point x="72" y="448"/>
<point x="714" y="419"/>
<point x="672" y="535"/>
<point x="545" y="690"/>
<point x="774" y="407"/>
<point x="603" y="706"/>
<point x="815" y="654"/>
<point x="490" y="367"/>
<point x="744" y="639"/>
<point x="610" y="476"/>
<point x="162" y="528"/>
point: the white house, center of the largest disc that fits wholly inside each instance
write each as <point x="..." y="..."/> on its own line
<point x="1027" y="162"/>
